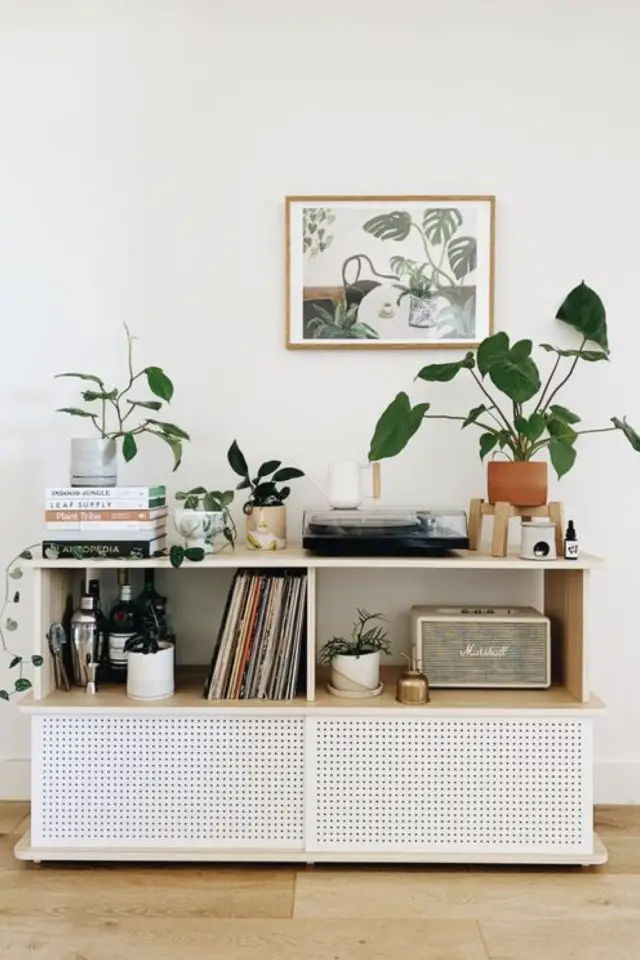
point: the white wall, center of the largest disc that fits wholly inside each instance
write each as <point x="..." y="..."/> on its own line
<point x="146" y="150"/>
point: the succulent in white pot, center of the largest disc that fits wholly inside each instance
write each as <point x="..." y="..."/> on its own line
<point x="355" y="661"/>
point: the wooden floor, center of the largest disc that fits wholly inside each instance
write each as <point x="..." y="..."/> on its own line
<point x="210" y="912"/>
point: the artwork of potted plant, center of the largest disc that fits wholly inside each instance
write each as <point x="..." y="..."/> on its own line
<point x="204" y="516"/>
<point x="150" y="666"/>
<point x="355" y="661"/>
<point x="266" y="516"/>
<point x="523" y="432"/>
<point x="94" y="461"/>
<point x="422" y="311"/>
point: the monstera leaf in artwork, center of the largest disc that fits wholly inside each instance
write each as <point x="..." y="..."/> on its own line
<point x="389" y="226"/>
<point x="463" y="256"/>
<point x="440" y="224"/>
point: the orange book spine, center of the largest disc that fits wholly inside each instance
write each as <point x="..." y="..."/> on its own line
<point x="91" y="516"/>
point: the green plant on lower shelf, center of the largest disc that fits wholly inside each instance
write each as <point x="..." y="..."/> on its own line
<point x="367" y="636"/>
<point x="520" y="432"/>
<point x="13" y="573"/>
<point x="145" y="642"/>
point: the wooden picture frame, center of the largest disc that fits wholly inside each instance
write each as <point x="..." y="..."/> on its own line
<point x="389" y="272"/>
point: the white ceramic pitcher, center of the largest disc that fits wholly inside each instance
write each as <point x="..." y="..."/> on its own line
<point x="344" y="489"/>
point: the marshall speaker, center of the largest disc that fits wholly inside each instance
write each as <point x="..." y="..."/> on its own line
<point x="482" y="646"/>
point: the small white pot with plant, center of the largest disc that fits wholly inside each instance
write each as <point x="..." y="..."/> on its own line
<point x="205" y="516"/>
<point x="150" y="667"/>
<point x="419" y="289"/>
<point x="355" y="662"/>
<point x="266" y="515"/>
<point x="94" y="461"/>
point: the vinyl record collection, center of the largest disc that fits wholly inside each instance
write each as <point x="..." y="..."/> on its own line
<point x="260" y="643"/>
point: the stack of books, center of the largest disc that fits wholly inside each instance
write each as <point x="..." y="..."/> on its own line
<point x="260" y="644"/>
<point x="107" y="522"/>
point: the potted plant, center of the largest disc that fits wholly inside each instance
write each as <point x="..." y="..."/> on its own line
<point x="266" y="516"/>
<point x="533" y="421"/>
<point x="342" y="324"/>
<point x="355" y="662"/>
<point x="94" y="461"/>
<point x="419" y="289"/>
<point x="205" y="515"/>
<point x="150" y="666"/>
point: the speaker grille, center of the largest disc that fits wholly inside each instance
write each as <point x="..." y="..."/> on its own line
<point x="491" y="654"/>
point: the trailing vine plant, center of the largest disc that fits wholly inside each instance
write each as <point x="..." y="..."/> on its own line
<point x="12" y="574"/>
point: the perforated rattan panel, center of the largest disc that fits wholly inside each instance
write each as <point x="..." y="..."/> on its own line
<point x="494" y="786"/>
<point x="135" y="781"/>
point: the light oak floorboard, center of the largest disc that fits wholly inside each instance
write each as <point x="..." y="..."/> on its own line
<point x="247" y="940"/>
<point x="617" y="821"/>
<point x="11" y="814"/>
<point x="471" y="895"/>
<point x="563" y="940"/>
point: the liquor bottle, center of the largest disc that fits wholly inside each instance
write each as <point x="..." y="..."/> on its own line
<point x="123" y="624"/>
<point x="94" y="591"/>
<point x="153" y="608"/>
<point x="571" y="542"/>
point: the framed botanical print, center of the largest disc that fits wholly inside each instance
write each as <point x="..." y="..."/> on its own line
<point x="389" y="272"/>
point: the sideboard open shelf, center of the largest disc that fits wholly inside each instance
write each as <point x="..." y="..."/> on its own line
<point x="476" y="776"/>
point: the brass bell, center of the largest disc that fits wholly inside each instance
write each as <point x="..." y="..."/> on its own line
<point x="413" y="686"/>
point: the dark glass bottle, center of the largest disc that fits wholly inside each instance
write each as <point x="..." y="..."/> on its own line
<point x="153" y="608"/>
<point x="94" y="591"/>
<point x="123" y="624"/>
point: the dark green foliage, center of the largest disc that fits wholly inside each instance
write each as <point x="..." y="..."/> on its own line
<point x="263" y="492"/>
<point x="520" y="433"/>
<point x="367" y="636"/>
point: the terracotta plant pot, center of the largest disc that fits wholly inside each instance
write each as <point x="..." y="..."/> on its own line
<point x="524" y="484"/>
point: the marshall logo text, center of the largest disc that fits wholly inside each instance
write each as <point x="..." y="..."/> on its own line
<point x="477" y="650"/>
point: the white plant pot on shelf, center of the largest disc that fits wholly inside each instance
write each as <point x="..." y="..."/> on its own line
<point x="150" y="675"/>
<point x="199" y="527"/>
<point x="94" y="462"/>
<point x="356" y="676"/>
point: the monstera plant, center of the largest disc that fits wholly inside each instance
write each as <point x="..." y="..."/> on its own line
<point x="524" y="418"/>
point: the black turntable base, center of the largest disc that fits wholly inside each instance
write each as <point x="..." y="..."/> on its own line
<point x="399" y="532"/>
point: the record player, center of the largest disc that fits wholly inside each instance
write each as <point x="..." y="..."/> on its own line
<point x="391" y="532"/>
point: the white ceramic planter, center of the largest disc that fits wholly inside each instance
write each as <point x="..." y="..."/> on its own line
<point x="150" y="675"/>
<point x="266" y="528"/>
<point x="94" y="462"/>
<point x="356" y="675"/>
<point x="199" y="528"/>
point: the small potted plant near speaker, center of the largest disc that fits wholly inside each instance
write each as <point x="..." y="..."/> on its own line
<point x="519" y="434"/>
<point x="355" y="660"/>
<point x="264" y="508"/>
<point x="94" y="461"/>
<point x="150" y="666"/>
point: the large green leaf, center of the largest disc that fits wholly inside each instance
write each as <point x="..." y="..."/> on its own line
<point x="129" y="447"/>
<point x="590" y="355"/>
<point x="287" y="473"/>
<point x="560" y="430"/>
<point x="389" y="226"/>
<point x="562" y="413"/>
<point x="463" y="256"/>
<point x="519" y="381"/>
<point x="395" y="427"/>
<point x="175" y="444"/>
<point x="440" y="224"/>
<point x="237" y="461"/>
<point x="492" y="349"/>
<point x="631" y="434"/>
<point x="535" y="427"/>
<point x="563" y="456"/>
<point x="487" y="443"/>
<point x="269" y="466"/>
<point x="520" y="350"/>
<point x="159" y="383"/>
<point x="443" y="372"/>
<point x="583" y="310"/>
<point x="171" y="429"/>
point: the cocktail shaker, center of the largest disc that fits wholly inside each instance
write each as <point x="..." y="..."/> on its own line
<point x="86" y="641"/>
